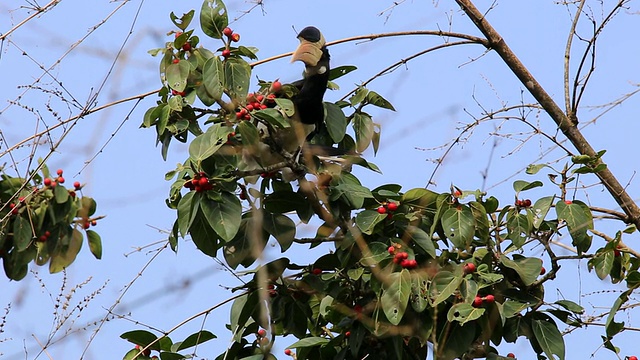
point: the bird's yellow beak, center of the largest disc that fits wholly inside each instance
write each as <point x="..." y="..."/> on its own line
<point x="309" y="52"/>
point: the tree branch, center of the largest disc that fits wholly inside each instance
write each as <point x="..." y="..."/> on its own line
<point x="565" y="124"/>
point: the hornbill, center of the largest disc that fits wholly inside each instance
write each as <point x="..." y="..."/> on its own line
<point x="308" y="102"/>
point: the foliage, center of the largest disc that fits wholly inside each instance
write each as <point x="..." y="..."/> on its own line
<point x="399" y="277"/>
<point x="42" y="221"/>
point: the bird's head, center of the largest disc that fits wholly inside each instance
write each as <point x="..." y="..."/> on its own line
<point x="311" y="48"/>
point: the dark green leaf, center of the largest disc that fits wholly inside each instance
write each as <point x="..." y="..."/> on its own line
<point x="280" y="227"/>
<point x="463" y="313"/>
<point x="140" y="337"/>
<point x="458" y="224"/>
<point x="286" y="106"/>
<point x="213" y="18"/>
<point x="237" y="74"/>
<point x="527" y="268"/>
<point x="443" y="285"/>
<point x="549" y="338"/>
<point x="223" y="216"/>
<point x="207" y="144"/>
<point x="183" y="21"/>
<point x="363" y="127"/>
<point x="375" y="99"/>
<point x="520" y="185"/>
<point x="336" y="121"/>
<point x="65" y="252"/>
<point x="394" y="300"/>
<point x="308" y="342"/>
<point x="213" y="77"/>
<point x="422" y="239"/>
<point x="340" y="71"/>
<point x="195" y="339"/>
<point x="95" y="243"/>
<point x="540" y="209"/>
<point x="367" y="220"/>
<point x="177" y="75"/>
<point x="21" y="233"/>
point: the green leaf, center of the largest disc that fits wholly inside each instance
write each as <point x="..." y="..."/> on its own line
<point x="394" y="300"/>
<point x="463" y="313"/>
<point x="375" y="99"/>
<point x="420" y="197"/>
<point x="419" y="291"/>
<point x="183" y="21"/>
<point x="363" y="127"/>
<point x="518" y="227"/>
<point x="367" y="220"/>
<point x="422" y="239"/>
<point x="358" y="96"/>
<point x="611" y="326"/>
<point x="336" y="121"/>
<point x="549" y="338"/>
<point x="249" y="132"/>
<point x="65" y="252"/>
<point x="443" y="285"/>
<point x="61" y="194"/>
<point x="187" y="210"/>
<point x="534" y="168"/>
<point x="458" y="225"/>
<point x="527" y="268"/>
<point x="213" y="18"/>
<point x="95" y="243"/>
<point x="203" y="235"/>
<point x="224" y="216"/>
<point x="579" y="219"/>
<point x="195" y="339"/>
<point x="21" y="233"/>
<point x="286" y="106"/>
<point x="237" y="74"/>
<point x="207" y="144"/>
<point x="273" y="116"/>
<point x="280" y="227"/>
<point x="521" y="185"/>
<point x="602" y="263"/>
<point x="571" y="306"/>
<point x="378" y="252"/>
<point x="284" y="201"/>
<point x="213" y="77"/>
<point x="355" y="194"/>
<point x="340" y="71"/>
<point x="177" y="75"/>
<point x="540" y="210"/>
<point x="308" y="342"/>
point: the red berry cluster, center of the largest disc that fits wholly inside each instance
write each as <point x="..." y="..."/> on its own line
<point x="49" y="182"/>
<point x="478" y="301"/>
<point x="200" y="182"/>
<point x="254" y="102"/>
<point x="523" y="203"/>
<point x="44" y="236"/>
<point x="15" y="208"/>
<point x="387" y="208"/>
<point x="231" y="36"/>
<point x="87" y="224"/>
<point x="401" y="258"/>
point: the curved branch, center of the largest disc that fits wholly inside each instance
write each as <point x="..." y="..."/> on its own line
<point x="565" y="124"/>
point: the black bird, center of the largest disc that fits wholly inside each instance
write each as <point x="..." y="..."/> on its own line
<point x="313" y="52"/>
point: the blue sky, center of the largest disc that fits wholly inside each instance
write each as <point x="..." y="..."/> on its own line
<point x="434" y="95"/>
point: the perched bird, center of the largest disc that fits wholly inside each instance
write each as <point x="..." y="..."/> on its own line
<point x="308" y="116"/>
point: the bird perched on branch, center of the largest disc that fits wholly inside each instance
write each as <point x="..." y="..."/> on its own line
<point x="308" y="114"/>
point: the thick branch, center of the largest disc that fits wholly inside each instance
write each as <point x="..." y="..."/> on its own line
<point x="567" y="125"/>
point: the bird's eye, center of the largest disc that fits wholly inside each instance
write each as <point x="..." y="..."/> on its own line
<point x="322" y="70"/>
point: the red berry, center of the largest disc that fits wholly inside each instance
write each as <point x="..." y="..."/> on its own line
<point x="489" y="298"/>
<point x="357" y="308"/>
<point x="249" y="107"/>
<point x="259" y="98"/>
<point x="61" y="180"/>
<point x="227" y="31"/>
<point x="633" y="357"/>
<point x="511" y="355"/>
<point x="203" y="181"/>
<point x="21" y="199"/>
<point x="477" y="302"/>
<point x="262" y="332"/>
<point x="527" y="203"/>
<point x="235" y="37"/>
<point x="347" y="334"/>
<point x="316" y="271"/>
<point x="616" y="253"/>
<point x="47" y="233"/>
<point x="276" y="87"/>
<point x="568" y="202"/>
<point x="243" y="196"/>
<point x="186" y="46"/>
<point x="239" y="115"/>
<point x="405" y="263"/>
<point x="382" y="210"/>
<point x="15" y="211"/>
<point x="263" y="106"/>
<point x="53" y="184"/>
<point x="42" y="238"/>
<point x="226" y="53"/>
<point x="270" y="97"/>
<point x="391" y="249"/>
<point x="175" y="61"/>
<point x="59" y="172"/>
<point x="12" y="205"/>
<point x="72" y="193"/>
<point x="94" y="223"/>
<point x="178" y="33"/>
<point x="77" y="185"/>
<point x="469" y="268"/>
<point x="543" y="271"/>
<point x="47" y="182"/>
<point x="286" y="351"/>
<point x="392" y="206"/>
<point x="87" y="225"/>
